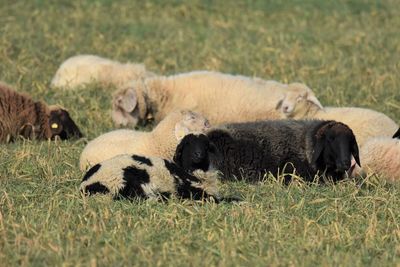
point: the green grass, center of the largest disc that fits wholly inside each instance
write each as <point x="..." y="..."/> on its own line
<point x="346" y="50"/>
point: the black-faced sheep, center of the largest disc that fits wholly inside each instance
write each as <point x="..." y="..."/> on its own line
<point x="83" y="69"/>
<point x="136" y="176"/>
<point x="306" y="148"/>
<point x="22" y="116"/>
<point x="365" y="123"/>
<point x="220" y="97"/>
<point x="381" y="156"/>
<point x="161" y="142"/>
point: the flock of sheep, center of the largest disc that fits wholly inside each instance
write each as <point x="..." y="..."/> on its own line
<point x="210" y="127"/>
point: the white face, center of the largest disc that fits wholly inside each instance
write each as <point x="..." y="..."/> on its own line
<point x="297" y="101"/>
<point x="196" y="122"/>
<point x="292" y="101"/>
<point x="191" y="123"/>
<point x="122" y="118"/>
<point x="125" y="108"/>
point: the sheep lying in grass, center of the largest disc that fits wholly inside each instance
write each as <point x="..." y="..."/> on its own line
<point x="306" y="148"/>
<point x="22" y="116"/>
<point x="83" y="69"/>
<point x="136" y="176"/>
<point x="220" y="97"/>
<point x="381" y="155"/>
<point x="365" y="123"/>
<point x="161" y="142"/>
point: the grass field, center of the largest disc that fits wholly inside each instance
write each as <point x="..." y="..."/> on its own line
<point x="346" y="50"/>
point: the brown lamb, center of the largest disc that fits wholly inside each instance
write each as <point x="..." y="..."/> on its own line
<point x="20" y="115"/>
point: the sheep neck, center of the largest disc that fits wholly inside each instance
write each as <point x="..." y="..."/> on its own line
<point x="42" y="120"/>
<point x="312" y="111"/>
<point x="164" y="140"/>
<point x="141" y="92"/>
<point x="157" y="96"/>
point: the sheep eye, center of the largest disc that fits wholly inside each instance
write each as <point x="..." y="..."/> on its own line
<point x="300" y="98"/>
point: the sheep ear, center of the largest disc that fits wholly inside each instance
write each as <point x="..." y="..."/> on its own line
<point x="127" y="101"/>
<point x="213" y="148"/>
<point x="318" y="148"/>
<point x="313" y="99"/>
<point x="178" y="154"/>
<point x="180" y="131"/>
<point x="397" y="134"/>
<point x="279" y="104"/>
<point x="354" y="152"/>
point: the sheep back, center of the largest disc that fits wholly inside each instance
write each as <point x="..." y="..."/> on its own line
<point x="365" y="123"/>
<point x="20" y="115"/>
<point x="83" y="69"/>
<point x="381" y="156"/>
<point x="250" y="150"/>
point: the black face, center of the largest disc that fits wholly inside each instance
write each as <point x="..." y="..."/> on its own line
<point x="333" y="152"/>
<point x="192" y="153"/>
<point x="62" y="125"/>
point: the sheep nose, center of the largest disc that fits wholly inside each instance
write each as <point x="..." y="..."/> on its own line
<point x="285" y="108"/>
<point x="343" y="166"/>
<point x="198" y="155"/>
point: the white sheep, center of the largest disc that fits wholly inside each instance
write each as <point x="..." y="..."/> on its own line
<point x="222" y="98"/>
<point x="161" y="142"/>
<point x="365" y="123"/>
<point x="83" y="69"/>
<point x="381" y="156"/>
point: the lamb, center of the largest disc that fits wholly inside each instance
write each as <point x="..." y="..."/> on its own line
<point x="381" y="156"/>
<point x="161" y="142"/>
<point x="222" y="98"/>
<point x="83" y="69"/>
<point x="306" y="148"/>
<point x="365" y="123"/>
<point x="138" y="176"/>
<point x="20" y="115"/>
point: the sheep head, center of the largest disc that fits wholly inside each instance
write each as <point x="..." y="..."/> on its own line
<point x="297" y="101"/>
<point x="190" y="122"/>
<point x="128" y="106"/>
<point x="335" y="150"/>
<point x="62" y="125"/>
<point x="193" y="153"/>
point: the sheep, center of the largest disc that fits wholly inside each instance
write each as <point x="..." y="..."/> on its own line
<point x="83" y="69"/>
<point x="306" y="148"/>
<point x="381" y="156"/>
<point x="20" y="115"/>
<point x="161" y="142"/>
<point x="138" y="176"/>
<point x="365" y="123"/>
<point x="222" y="98"/>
